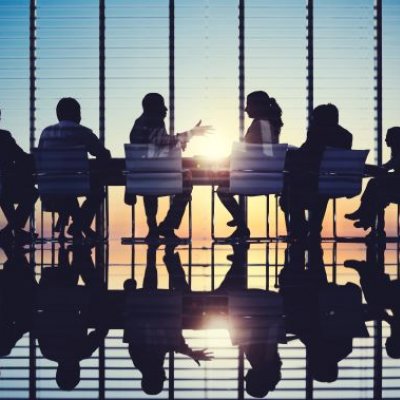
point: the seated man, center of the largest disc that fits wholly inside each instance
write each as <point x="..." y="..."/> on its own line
<point x="382" y="190"/>
<point x="300" y="192"/>
<point x="16" y="187"/>
<point x="67" y="133"/>
<point x="150" y="128"/>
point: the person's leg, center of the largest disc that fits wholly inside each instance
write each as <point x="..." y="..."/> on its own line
<point x="230" y="203"/>
<point x="89" y="208"/>
<point x="25" y="207"/>
<point x="151" y="208"/>
<point x="316" y="216"/>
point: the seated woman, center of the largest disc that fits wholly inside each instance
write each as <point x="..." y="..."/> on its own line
<point x="382" y="190"/>
<point x="265" y="128"/>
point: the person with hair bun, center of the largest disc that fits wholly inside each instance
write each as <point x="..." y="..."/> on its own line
<point x="265" y="128"/>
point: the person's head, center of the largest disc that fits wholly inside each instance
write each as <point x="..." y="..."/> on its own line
<point x="325" y="115"/>
<point x="393" y="138"/>
<point x="154" y="106"/>
<point x="153" y="381"/>
<point x="68" y="375"/>
<point x="393" y="347"/>
<point x="260" y="105"/>
<point x="68" y="109"/>
<point x="260" y="382"/>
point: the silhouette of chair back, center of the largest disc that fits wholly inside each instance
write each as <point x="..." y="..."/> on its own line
<point x="257" y="169"/>
<point x="153" y="317"/>
<point x="62" y="172"/>
<point x="341" y="172"/>
<point x="153" y="170"/>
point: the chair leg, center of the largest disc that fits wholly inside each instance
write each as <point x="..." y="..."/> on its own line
<point x="212" y="212"/>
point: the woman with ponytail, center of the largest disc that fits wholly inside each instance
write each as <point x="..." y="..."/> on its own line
<point x="265" y="128"/>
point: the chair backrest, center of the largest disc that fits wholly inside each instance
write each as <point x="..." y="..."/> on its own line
<point x="257" y="169"/>
<point x="62" y="171"/>
<point x="153" y="170"/>
<point x="151" y="158"/>
<point x="341" y="172"/>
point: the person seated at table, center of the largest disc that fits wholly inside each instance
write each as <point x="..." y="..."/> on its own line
<point x="149" y="128"/>
<point x="265" y="128"/>
<point x="68" y="133"/>
<point x="382" y="190"/>
<point x="300" y="191"/>
<point x="16" y="187"/>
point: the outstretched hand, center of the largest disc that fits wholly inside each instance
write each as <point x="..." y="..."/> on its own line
<point x="201" y="355"/>
<point x="201" y="130"/>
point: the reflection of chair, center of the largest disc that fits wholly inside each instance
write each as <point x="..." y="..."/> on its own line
<point x="152" y="171"/>
<point x="340" y="175"/>
<point x="62" y="176"/>
<point x="255" y="169"/>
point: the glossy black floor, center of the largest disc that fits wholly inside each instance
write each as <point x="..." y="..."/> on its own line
<point x="301" y="317"/>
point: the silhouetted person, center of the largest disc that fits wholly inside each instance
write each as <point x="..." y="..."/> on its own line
<point x="265" y="128"/>
<point x="301" y="188"/>
<point x="324" y="316"/>
<point x="16" y="187"/>
<point x="149" y="128"/>
<point x="62" y="328"/>
<point x="17" y="292"/>
<point x="382" y="190"/>
<point x="255" y="325"/>
<point x="153" y="322"/>
<point x="381" y="293"/>
<point x="68" y="133"/>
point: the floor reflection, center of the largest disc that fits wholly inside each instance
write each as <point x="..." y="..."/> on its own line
<point x="215" y="321"/>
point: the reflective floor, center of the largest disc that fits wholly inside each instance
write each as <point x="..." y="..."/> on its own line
<point x="281" y="321"/>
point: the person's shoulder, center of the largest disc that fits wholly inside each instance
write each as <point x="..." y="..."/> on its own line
<point x="344" y="131"/>
<point x="3" y="132"/>
<point x="50" y="128"/>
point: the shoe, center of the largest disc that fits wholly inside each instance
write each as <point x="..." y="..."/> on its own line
<point x="24" y="237"/>
<point x="354" y="215"/>
<point x="355" y="264"/>
<point x="168" y="233"/>
<point x="6" y="235"/>
<point x="232" y="223"/>
<point x="92" y="235"/>
<point x="362" y="224"/>
<point x="152" y="236"/>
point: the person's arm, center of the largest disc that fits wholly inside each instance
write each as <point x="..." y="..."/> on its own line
<point x="195" y="355"/>
<point x="393" y="163"/>
<point x="95" y="147"/>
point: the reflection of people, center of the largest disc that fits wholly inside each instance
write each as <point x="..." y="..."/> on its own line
<point x="300" y="192"/>
<point x="16" y="187"/>
<point x="153" y="322"/>
<point x="68" y="133"/>
<point x="255" y="325"/>
<point x="62" y="327"/>
<point x="324" y="316"/>
<point x="381" y="293"/>
<point x="265" y="128"/>
<point x="149" y="128"/>
<point x="382" y="190"/>
<point x="17" y="294"/>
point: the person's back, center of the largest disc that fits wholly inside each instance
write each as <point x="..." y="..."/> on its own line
<point x="69" y="133"/>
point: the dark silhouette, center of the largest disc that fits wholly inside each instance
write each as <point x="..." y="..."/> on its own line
<point x="62" y="325"/>
<point x="324" y="316"/>
<point x="65" y="134"/>
<point x="380" y="191"/>
<point x="153" y="322"/>
<point x="17" y="297"/>
<point x="255" y="325"/>
<point x="149" y="128"/>
<point x="301" y="188"/>
<point x="265" y="128"/>
<point x="381" y="293"/>
<point x="16" y="187"/>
